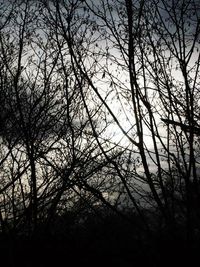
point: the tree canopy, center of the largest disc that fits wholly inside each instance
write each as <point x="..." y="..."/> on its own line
<point x="100" y="112"/>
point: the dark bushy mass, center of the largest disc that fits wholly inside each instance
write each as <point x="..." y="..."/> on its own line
<point x="107" y="240"/>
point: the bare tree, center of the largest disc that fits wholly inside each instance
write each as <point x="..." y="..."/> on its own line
<point x="100" y="104"/>
<point x="143" y="56"/>
<point x="48" y="150"/>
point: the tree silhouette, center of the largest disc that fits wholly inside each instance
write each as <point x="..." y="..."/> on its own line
<point x="152" y="47"/>
<point x="99" y="117"/>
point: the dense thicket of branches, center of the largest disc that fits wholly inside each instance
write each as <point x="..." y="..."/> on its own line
<point x="100" y="112"/>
